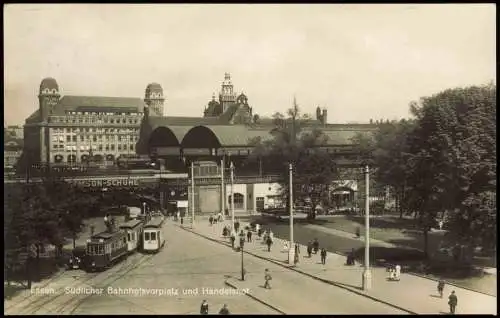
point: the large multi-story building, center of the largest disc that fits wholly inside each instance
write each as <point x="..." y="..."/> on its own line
<point x="76" y="129"/>
<point x="12" y="150"/>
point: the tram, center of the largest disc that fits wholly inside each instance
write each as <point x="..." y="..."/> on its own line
<point x="153" y="239"/>
<point x="134" y="230"/>
<point x="104" y="249"/>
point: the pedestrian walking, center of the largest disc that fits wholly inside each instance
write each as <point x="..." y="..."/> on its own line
<point x="267" y="279"/>
<point x="257" y="227"/>
<point x="296" y="254"/>
<point x="224" y="310"/>
<point x="178" y="215"/>
<point x="358" y="232"/>
<point x="182" y="220"/>
<point x="315" y="246"/>
<point x="269" y="242"/>
<point x="452" y="301"/>
<point x="397" y="274"/>
<point x="285" y="246"/>
<point x="236" y="226"/>
<point x="249" y="236"/>
<point x="323" y="256"/>
<point x="242" y="241"/>
<point x="204" y="307"/>
<point x="440" y="287"/>
<point x="309" y="249"/>
<point x="271" y="235"/>
<point x="259" y="232"/>
<point x="233" y="238"/>
<point x="225" y="231"/>
<point x="211" y="220"/>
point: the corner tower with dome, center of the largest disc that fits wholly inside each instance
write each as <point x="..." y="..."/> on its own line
<point x="79" y="129"/>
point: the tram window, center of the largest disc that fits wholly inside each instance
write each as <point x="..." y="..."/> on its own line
<point x="153" y="236"/>
<point x="129" y="238"/>
<point x="133" y="236"/>
<point x="101" y="249"/>
<point x="125" y="240"/>
<point x="146" y="236"/>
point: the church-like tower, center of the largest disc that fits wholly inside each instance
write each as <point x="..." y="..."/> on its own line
<point x="227" y="96"/>
<point x="154" y="99"/>
<point x="48" y="97"/>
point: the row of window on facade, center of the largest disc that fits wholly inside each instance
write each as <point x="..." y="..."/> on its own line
<point x="103" y="114"/>
<point x="96" y="138"/>
<point x="111" y="147"/>
<point x="96" y="129"/>
<point x="105" y="120"/>
<point x="84" y="158"/>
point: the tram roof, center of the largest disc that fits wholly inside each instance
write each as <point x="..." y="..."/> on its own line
<point x="131" y="224"/>
<point x="105" y="235"/>
<point x="154" y="223"/>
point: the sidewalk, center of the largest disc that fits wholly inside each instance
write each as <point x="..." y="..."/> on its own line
<point x="413" y="294"/>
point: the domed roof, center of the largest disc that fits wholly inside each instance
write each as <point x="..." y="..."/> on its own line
<point x="49" y="83"/>
<point x="154" y="88"/>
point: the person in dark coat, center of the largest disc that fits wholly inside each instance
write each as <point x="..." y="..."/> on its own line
<point x="316" y="246"/>
<point x="309" y="248"/>
<point x="249" y="236"/>
<point x="267" y="279"/>
<point x="225" y="231"/>
<point x="242" y="241"/>
<point x="269" y="242"/>
<point x="211" y="220"/>
<point x="358" y="232"/>
<point x="441" y="287"/>
<point x="204" y="308"/>
<point x="236" y="226"/>
<point x="259" y="232"/>
<point x="233" y="238"/>
<point x="452" y="301"/>
<point x="323" y="256"/>
<point x="224" y="310"/>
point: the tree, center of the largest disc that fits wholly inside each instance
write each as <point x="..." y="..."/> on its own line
<point x="452" y="162"/>
<point x="314" y="169"/>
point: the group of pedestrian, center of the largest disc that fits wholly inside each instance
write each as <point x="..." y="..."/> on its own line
<point x="312" y="247"/>
<point x="350" y="258"/>
<point x="204" y="309"/>
<point x="214" y="219"/>
<point x="395" y="273"/>
<point x="452" y="299"/>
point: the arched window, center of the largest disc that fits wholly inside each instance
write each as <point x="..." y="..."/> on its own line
<point x="238" y="201"/>
<point x="58" y="158"/>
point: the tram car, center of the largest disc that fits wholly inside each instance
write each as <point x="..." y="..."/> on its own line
<point x="104" y="249"/>
<point x="134" y="230"/>
<point x="153" y="236"/>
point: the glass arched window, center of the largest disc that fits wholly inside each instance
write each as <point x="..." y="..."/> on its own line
<point x="238" y="201"/>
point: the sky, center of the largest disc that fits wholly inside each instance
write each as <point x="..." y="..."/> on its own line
<point x="358" y="61"/>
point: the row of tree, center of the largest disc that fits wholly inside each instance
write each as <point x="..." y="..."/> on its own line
<point x="37" y="214"/>
<point x="441" y="164"/>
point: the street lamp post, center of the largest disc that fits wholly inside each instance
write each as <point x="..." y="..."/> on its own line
<point x="223" y="189"/>
<point x="367" y="276"/>
<point x="242" y="244"/>
<point x="232" y="195"/>
<point x="192" y="194"/>
<point x="291" y="250"/>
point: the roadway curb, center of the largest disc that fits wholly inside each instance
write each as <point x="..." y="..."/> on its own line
<point x="420" y="275"/>
<point x="452" y="284"/>
<point x="309" y="275"/>
<point x="256" y="298"/>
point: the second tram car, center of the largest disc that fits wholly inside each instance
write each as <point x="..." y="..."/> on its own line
<point x="104" y="249"/>
<point x="134" y="229"/>
<point x="153" y="239"/>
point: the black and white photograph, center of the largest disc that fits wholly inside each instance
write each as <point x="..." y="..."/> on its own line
<point x="257" y="159"/>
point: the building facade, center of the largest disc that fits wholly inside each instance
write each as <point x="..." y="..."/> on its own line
<point x="13" y="148"/>
<point x="79" y="129"/>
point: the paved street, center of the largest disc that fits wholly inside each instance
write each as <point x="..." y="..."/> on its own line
<point x="420" y="298"/>
<point x="187" y="262"/>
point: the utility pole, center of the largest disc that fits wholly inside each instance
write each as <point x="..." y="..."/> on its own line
<point x="367" y="276"/>
<point x="222" y="189"/>
<point x="192" y="194"/>
<point x="232" y="195"/>
<point x="291" y="250"/>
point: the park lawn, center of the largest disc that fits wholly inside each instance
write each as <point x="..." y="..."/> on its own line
<point x="389" y="229"/>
